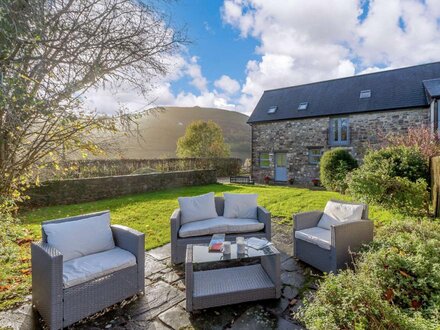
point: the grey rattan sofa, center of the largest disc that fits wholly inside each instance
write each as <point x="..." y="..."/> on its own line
<point x="178" y="244"/>
<point x="62" y="306"/>
<point x="343" y="238"/>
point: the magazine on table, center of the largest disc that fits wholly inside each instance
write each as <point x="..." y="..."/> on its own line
<point x="258" y="243"/>
<point x="216" y="244"/>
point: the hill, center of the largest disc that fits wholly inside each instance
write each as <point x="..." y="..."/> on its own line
<point x="160" y="129"/>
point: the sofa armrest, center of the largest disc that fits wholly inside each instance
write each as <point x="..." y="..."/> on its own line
<point x="47" y="283"/>
<point x="264" y="216"/>
<point x="133" y="241"/>
<point x="351" y="236"/>
<point x="174" y="227"/>
<point x="175" y="223"/>
<point x="306" y="220"/>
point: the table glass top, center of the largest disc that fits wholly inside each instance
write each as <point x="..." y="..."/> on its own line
<point x="202" y="255"/>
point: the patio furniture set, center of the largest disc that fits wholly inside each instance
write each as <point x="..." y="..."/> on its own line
<point x="84" y="264"/>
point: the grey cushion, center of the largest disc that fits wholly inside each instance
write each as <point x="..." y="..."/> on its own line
<point x="197" y="208"/>
<point x="220" y="225"/>
<point x="315" y="235"/>
<point x="337" y="212"/>
<point x="79" y="238"/>
<point x="243" y="206"/>
<point x="80" y="270"/>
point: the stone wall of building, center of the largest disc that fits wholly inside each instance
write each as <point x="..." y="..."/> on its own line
<point x="74" y="191"/>
<point x="296" y="137"/>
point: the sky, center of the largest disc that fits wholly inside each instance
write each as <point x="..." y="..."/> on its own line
<point x="239" y="48"/>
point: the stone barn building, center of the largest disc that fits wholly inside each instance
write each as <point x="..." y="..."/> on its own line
<point x="293" y="126"/>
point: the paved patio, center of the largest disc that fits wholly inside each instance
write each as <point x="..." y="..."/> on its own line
<point x="163" y="305"/>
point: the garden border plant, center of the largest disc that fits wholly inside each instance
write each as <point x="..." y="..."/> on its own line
<point x="396" y="284"/>
<point x="335" y="164"/>
<point x="394" y="177"/>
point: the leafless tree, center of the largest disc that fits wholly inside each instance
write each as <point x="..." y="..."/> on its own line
<point x="54" y="51"/>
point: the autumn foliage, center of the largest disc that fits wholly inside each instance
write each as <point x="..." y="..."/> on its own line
<point x="417" y="137"/>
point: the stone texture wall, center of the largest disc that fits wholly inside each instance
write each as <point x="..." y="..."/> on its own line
<point x="85" y="190"/>
<point x="296" y="137"/>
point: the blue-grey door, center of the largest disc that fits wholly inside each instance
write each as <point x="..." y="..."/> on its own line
<point x="280" y="166"/>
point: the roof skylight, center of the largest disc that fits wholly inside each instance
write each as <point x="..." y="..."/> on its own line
<point x="303" y="105"/>
<point x="365" y="94"/>
<point x="272" y="109"/>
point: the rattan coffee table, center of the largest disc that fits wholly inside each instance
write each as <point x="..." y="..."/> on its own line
<point x="213" y="279"/>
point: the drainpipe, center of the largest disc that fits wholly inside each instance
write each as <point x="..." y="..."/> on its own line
<point x="436" y="116"/>
<point x="252" y="151"/>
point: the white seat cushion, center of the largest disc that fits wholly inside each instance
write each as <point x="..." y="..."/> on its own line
<point x="241" y="206"/>
<point x="78" y="238"/>
<point x="337" y="212"/>
<point x="220" y="225"/>
<point x="80" y="270"/>
<point x="315" y="235"/>
<point x="197" y="208"/>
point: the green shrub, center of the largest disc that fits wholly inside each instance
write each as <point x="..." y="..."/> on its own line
<point x="394" y="178"/>
<point x="396" y="193"/>
<point x="396" y="284"/>
<point x="351" y="301"/>
<point x="335" y="164"/>
<point x="404" y="162"/>
<point x="405" y="260"/>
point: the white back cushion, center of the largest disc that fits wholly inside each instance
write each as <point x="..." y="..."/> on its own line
<point x="79" y="238"/>
<point x="337" y="212"/>
<point x="197" y="208"/>
<point x="242" y="206"/>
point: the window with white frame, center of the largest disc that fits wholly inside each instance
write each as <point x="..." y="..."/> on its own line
<point x="264" y="159"/>
<point x="315" y="154"/>
<point x="339" y="133"/>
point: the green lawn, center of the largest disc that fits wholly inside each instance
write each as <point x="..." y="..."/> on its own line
<point x="150" y="212"/>
<point x="147" y="212"/>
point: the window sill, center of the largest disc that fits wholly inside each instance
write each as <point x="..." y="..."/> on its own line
<point x="339" y="144"/>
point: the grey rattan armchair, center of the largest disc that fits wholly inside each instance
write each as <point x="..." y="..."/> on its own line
<point x="60" y="306"/>
<point x="178" y="244"/>
<point x="345" y="237"/>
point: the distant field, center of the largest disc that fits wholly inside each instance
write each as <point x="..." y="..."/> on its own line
<point x="160" y="130"/>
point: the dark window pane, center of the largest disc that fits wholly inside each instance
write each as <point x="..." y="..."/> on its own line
<point x="344" y="129"/>
<point x="281" y="160"/>
<point x="335" y="130"/>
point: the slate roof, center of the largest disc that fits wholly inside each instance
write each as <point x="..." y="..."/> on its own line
<point x="432" y="87"/>
<point x="392" y="89"/>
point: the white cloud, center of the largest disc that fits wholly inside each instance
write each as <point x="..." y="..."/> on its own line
<point x="304" y="41"/>
<point x="109" y="100"/>
<point x="194" y="70"/>
<point x="227" y="84"/>
<point x="300" y="41"/>
<point x="384" y="41"/>
<point x="208" y="99"/>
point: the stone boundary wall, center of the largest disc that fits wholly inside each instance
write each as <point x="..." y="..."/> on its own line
<point x="74" y="191"/>
<point x="94" y="168"/>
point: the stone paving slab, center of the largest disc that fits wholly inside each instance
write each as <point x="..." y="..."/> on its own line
<point x="158" y="298"/>
<point x="176" y="318"/>
<point x="20" y="319"/>
<point x="152" y="266"/>
<point x="163" y="305"/>
<point x="161" y="253"/>
<point x="255" y="318"/>
<point x="290" y="265"/>
<point x="295" y="279"/>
